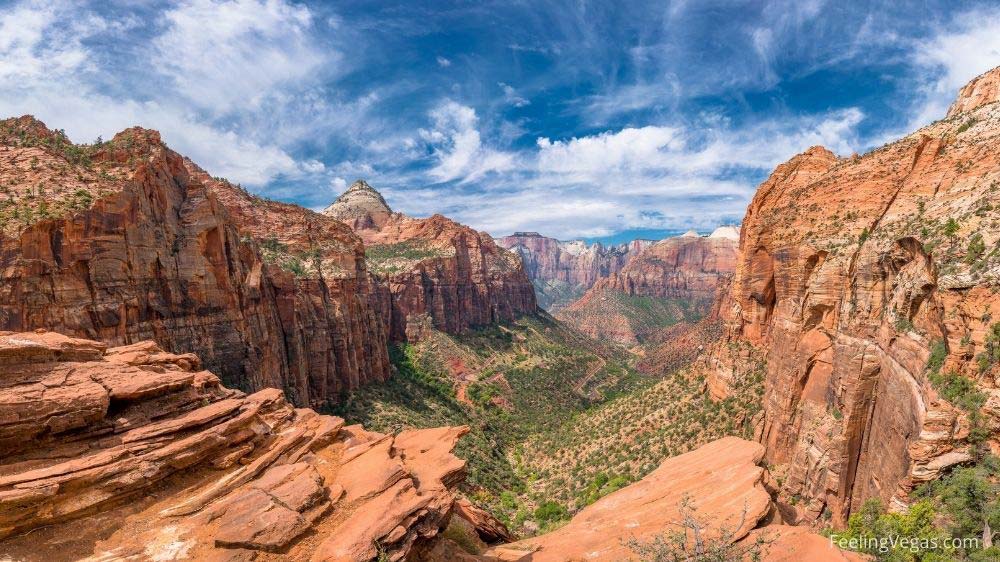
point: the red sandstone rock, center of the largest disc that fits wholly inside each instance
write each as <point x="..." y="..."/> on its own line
<point x="434" y="271"/>
<point x="193" y="471"/>
<point x="562" y="271"/>
<point x="849" y="270"/>
<point x="134" y="242"/>
<point x="683" y="272"/>
<point x="724" y="484"/>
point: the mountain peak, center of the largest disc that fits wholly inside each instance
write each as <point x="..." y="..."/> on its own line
<point x="981" y="90"/>
<point x="361" y="207"/>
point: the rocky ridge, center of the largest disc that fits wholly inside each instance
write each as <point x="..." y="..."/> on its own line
<point x="126" y="240"/>
<point x="673" y="280"/>
<point x="133" y="453"/>
<point x="857" y="312"/>
<point x="563" y="270"/>
<point x="433" y="272"/>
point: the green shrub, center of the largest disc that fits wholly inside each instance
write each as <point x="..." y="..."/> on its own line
<point x="550" y="512"/>
<point x="938" y="354"/>
<point x="872" y="530"/>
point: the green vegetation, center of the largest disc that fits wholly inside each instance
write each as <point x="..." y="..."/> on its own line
<point x="894" y="537"/>
<point x="631" y="435"/>
<point x="390" y="258"/>
<point x="990" y="355"/>
<point x="533" y="378"/>
<point x="275" y="252"/>
<point x="965" y="126"/>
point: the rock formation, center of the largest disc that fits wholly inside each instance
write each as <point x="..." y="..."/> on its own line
<point x="563" y="271"/>
<point x="673" y="280"/>
<point x="126" y="241"/>
<point x="857" y="278"/>
<point x="725" y="487"/>
<point x="433" y="272"/>
<point x="132" y="453"/>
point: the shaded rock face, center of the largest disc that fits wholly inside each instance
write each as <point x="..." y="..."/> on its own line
<point x="132" y="453"/>
<point x="136" y="243"/>
<point x="563" y="271"/>
<point x="849" y="271"/>
<point x="725" y="485"/>
<point x="434" y="272"/>
<point x="681" y="275"/>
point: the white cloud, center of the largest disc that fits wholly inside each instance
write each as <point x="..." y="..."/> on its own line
<point x="965" y="48"/>
<point x="230" y="54"/>
<point x="48" y="68"/>
<point x="511" y="96"/>
<point x="443" y="62"/>
<point x="338" y="185"/>
<point x="458" y="146"/>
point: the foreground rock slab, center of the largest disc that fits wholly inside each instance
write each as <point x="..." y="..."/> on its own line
<point x="724" y="484"/>
<point x="133" y="453"/>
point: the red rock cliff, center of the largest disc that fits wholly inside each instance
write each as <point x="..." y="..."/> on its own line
<point x="850" y="270"/>
<point x="563" y="271"/>
<point x="434" y="271"/>
<point x="129" y="241"/>
<point x="674" y="280"/>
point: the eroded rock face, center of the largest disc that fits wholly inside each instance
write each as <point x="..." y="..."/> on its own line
<point x="680" y="275"/>
<point x="563" y="271"/>
<point x="849" y="270"/>
<point x="722" y="481"/>
<point x="129" y="241"/>
<point x="434" y="272"/>
<point x="132" y="453"/>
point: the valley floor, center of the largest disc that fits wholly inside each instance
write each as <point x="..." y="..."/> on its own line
<point x="558" y="420"/>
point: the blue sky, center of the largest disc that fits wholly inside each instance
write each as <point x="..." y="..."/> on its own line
<point x="574" y="119"/>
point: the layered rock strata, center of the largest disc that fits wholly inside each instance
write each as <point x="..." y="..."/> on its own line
<point x="434" y="272"/>
<point x="133" y="453"/>
<point x="671" y="281"/>
<point x="126" y="241"/>
<point x="858" y="278"/>
<point x="562" y="271"/>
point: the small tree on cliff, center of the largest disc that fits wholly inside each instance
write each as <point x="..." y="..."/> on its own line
<point x="695" y="541"/>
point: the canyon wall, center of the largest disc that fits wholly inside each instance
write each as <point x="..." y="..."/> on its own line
<point x="433" y="272"/>
<point x="563" y="271"/>
<point x="127" y="241"/>
<point x="857" y="279"/>
<point x="674" y="280"/>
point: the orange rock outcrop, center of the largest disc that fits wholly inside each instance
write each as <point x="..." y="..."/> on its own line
<point x="724" y="485"/>
<point x="127" y="241"/>
<point x="851" y="270"/>
<point x="133" y="453"/>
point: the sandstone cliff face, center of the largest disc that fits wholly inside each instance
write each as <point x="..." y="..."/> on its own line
<point x="434" y="272"/>
<point x="563" y="271"/>
<point x="673" y="280"/>
<point x="128" y="241"/>
<point x="849" y="271"/>
<point x="132" y="453"/>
